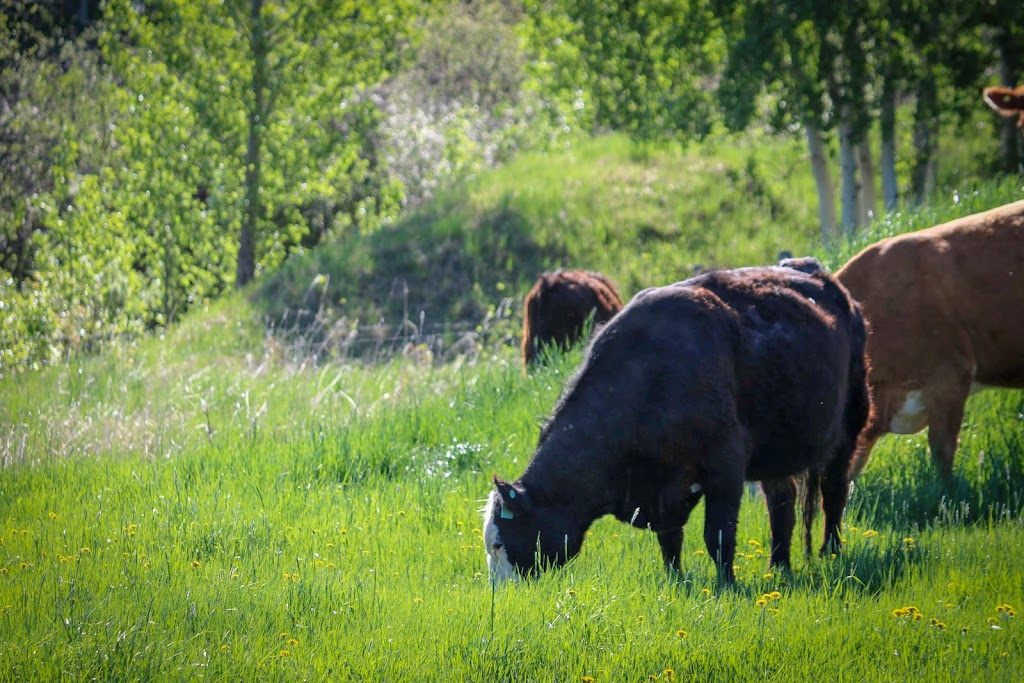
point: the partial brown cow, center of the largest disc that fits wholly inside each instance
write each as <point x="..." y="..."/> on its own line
<point x="946" y="313"/>
<point x="558" y="306"/>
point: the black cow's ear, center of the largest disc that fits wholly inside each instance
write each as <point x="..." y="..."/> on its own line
<point x="514" y="498"/>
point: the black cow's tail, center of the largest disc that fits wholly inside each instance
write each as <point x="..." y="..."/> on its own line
<point x="812" y="501"/>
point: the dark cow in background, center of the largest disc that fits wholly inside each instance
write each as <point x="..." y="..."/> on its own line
<point x="733" y="375"/>
<point x="558" y="306"/>
<point x="946" y="310"/>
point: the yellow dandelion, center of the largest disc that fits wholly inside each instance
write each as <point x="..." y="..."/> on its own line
<point x="282" y="634"/>
<point x="615" y="535"/>
<point x="329" y="544"/>
<point x="753" y="543"/>
<point x="344" y="531"/>
<point x="698" y="552"/>
<point x="870" y="533"/>
<point x="681" y="633"/>
<point x="293" y="642"/>
<point x="224" y="648"/>
<point x="899" y="613"/>
<point x="417" y="600"/>
<point x="86" y="551"/>
<point x="196" y="564"/>
<point x="571" y="591"/>
<point x="146" y="565"/>
<point x="775" y="595"/>
<point x="774" y="610"/>
<point x="705" y="591"/>
<point x="24" y="565"/>
<point x="330" y="564"/>
<point x="761" y="602"/>
<point x="668" y="674"/>
<point x="853" y="528"/>
<point x="949" y="605"/>
<point x="769" y="575"/>
<point x="3" y="570"/>
<point x="587" y="679"/>
<point x="284" y="653"/>
<point x="640" y="617"/>
<point x="24" y="532"/>
<point x="53" y="515"/>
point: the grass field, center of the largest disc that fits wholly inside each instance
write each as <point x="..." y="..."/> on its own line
<point x="210" y="505"/>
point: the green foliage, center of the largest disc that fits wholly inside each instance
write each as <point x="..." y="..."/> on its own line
<point x="642" y="69"/>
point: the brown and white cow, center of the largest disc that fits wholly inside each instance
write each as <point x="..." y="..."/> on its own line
<point x="560" y="304"/>
<point x="945" y="307"/>
<point x="750" y="374"/>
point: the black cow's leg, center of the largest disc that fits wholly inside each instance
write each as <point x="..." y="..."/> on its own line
<point x="780" y="495"/>
<point x="671" y="542"/>
<point x="722" y="496"/>
<point x="835" y="490"/>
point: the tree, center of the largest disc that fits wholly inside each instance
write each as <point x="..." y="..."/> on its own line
<point x="645" y="68"/>
<point x="780" y="48"/>
<point x="272" y="80"/>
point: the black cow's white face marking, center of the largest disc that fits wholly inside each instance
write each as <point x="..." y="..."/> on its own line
<point x="521" y="537"/>
<point x="498" y="564"/>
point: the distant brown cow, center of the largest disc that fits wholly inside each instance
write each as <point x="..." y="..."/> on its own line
<point x="559" y="305"/>
<point x="946" y="312"/>
<point x="1009" y="102"/>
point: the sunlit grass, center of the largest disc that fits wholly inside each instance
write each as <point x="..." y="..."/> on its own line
<point x="327" y="541"/>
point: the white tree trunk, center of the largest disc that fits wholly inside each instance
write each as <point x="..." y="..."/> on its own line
<point x="823" y="181"/>
<point x="887" y="127"/>
<point x="848" y="168"/>
<point x="867" y="201"/>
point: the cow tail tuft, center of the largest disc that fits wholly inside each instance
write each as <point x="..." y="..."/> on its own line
<point x="812" y="501"/>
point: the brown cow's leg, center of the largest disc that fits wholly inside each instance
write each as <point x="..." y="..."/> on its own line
<point x="876" y="426"/>
<point x="945" y="405"/>
<point x="781" y="497"/>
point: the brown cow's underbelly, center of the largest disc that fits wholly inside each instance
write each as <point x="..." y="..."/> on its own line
<point x="911" y="417"/>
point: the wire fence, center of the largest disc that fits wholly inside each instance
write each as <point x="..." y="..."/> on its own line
<point x="314" y="335"/>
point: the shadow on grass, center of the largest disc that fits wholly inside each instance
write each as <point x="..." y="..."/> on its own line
<point x="433" y="273"/>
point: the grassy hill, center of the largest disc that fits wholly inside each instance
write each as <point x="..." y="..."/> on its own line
<point x="643" y="217"/>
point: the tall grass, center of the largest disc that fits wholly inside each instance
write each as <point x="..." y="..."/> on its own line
<point x="346" y="546"/>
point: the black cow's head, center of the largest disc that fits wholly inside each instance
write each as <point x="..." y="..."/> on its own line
<point x="521" y="535"/>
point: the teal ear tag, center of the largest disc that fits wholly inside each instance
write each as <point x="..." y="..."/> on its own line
<point x="505" y="514"/>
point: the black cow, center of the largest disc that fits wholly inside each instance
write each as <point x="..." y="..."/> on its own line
<point x="557" y="308"/>
<point x="750" y="374"/>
